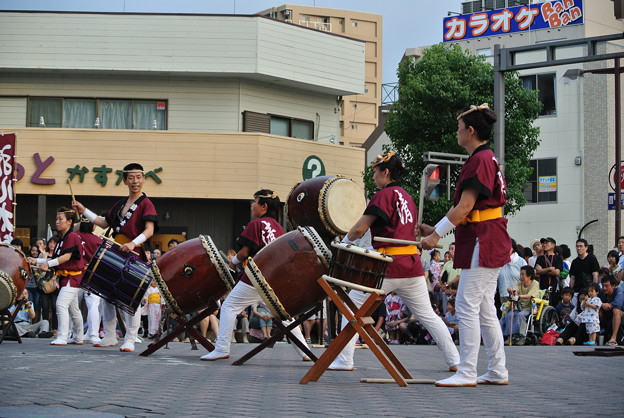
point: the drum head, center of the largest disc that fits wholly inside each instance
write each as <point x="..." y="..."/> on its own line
<point x="7" y="291"/>
<point x="362" y="251"/>
<point x="343" y="203"/>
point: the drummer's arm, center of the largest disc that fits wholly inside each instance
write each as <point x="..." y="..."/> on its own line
<point x="240" y="256"/>
<point x="143" y="236"/>
<point x="56" y="261"/>
<point x="97" y="220"/>
<point x="360" y="227"/>
<point x="455" y="216"/>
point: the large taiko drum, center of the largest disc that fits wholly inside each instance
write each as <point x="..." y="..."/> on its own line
<point x="14" y="274"/>
<point x="286" y="271"/>
<point x="192" y="273"/>
<point x="117" y="276"/>
<point x="329" y="204"/>
<point x="358" y="265"/>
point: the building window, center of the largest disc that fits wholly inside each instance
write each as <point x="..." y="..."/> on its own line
<point x="542" y="186"/>
<point x="294" y="128"/>
<point x="88" y="113"/>
<point x="545" y="85"/>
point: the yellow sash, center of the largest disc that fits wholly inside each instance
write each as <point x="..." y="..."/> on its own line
<point x="407" y="249"/>
<point x="66" y="273"/>
<point x="477" y="215"/>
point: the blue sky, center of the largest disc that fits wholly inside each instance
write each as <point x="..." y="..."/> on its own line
<point x="406" y="23"/>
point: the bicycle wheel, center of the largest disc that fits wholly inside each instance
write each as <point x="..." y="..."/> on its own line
<point x="548" y="318"/>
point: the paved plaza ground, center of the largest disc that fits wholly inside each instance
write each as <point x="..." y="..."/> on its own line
<point x="41" y="380"/>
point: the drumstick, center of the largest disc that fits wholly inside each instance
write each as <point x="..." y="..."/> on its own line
<point x="110" y="239"/>
<point x="71" y="191"/>
<point x="402" y="241"/>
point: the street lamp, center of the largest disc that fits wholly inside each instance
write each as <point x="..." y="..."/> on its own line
<point x="616" y="70"/>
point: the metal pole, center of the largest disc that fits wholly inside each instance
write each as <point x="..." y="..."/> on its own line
<point x="499" y="107"/>
<point x="618" y="151"/>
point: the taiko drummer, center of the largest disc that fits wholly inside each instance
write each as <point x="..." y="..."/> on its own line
<point x="259" y="232"/>
<point x="391" y="213"/>
<point x="133" y="220"/>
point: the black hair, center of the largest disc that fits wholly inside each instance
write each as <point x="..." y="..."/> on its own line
<point x="528" y="252"/>
<point x="613" y="254"/>
<point x="567" y="290"/>
<point x="86" y="226"/>
<point x="609" y="278"/>
<point x="70" y="214"/>
<point x="565" y="251"/>
<point x="434" y="252"/>
<point x="528" y="270"/>
<point x="395" y="167"/>
<point x="129" y="167"/>
<point x="594" y="286"/>
<point x="481" y="120"/>
<point x="513" y="244"/>
<point x="172" y="241"/>
<point x="583" y="240"/>
<point x="579" y="306"/>
<point x="16" y="242"/>
<point x="267" y="197"/>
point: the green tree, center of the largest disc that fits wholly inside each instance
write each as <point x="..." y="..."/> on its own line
<point x="431" y="92"/>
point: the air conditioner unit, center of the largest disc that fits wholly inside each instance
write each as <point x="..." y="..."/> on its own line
<point x="287" y="12"/>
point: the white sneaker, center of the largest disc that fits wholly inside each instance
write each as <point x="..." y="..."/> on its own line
<point x="137" y="340"/>
<point x="215" y="355"/>
<point x="58" y="341"/>
<point x="456" y="381"/>
<point x="488" y="379"/>
<point x="127" y="347"/>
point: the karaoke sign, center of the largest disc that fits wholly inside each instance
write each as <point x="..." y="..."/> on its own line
<point x="548" y="15"/>
<point x="7" y="172"/>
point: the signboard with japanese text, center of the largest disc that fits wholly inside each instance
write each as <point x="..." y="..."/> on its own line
<point x="7" y="173"/>
<point x="547" y="15"/>
<point x="611" y="201"/>
<point x="547" y="184"/>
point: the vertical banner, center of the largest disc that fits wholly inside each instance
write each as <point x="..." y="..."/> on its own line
<point x="7" y="173"/>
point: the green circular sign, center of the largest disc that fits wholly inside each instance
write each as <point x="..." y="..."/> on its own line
<point x="312" y="167"/>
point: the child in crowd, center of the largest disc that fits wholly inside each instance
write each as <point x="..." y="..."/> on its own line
<point x="266" y="318"/>
<point x="396" y="311"/>
<point x="451" y="321"/>
<point x="154" y="309"/>
<point x="565" y="307"/>
<point x="589" y="316"/>
<point x="435" y="269"/>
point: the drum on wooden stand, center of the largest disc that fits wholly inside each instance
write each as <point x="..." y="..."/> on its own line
<point x="192" y="273"/>
<point x="14" y="274"/>
<point x="358" y="265"/>
<point x="329" y="204"/>
<point x="286" y="271"/>
<point x="118" y="277"/>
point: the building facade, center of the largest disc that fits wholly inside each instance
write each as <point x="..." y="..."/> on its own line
<point x="358" y="113"/>
<point x="213" y="106"/>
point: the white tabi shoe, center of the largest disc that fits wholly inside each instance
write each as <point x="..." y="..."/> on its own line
<point x="488" y="379"/>
<point x="214" y="355"/>
<point x="74" y="341"/>
<point x="95" y="340"/>
<point x="137" y="340"/>
<point x="456" y="381"/>
<point x="341" y="367"/>
<point x="58" y="341"/>
<point x="127" y="348"/>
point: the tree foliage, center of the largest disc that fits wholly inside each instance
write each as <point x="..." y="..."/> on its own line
<point x="431" y="92"/>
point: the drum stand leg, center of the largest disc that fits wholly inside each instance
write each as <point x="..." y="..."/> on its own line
<point x="185" y="326"/>
<point x="282" y="330"/>
<point x="9" y="317"/>
<point x="359" y="321"/>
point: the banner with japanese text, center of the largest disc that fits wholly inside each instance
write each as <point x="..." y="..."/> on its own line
<point x="548" y="15"/>
<point x="7" y="172"/>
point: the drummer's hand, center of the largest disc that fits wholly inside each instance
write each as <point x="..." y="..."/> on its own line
<point x="429" y="241"/>
<point x="425" y="230"/>
<point x="32" y="261"/>
<point x="78" y="207"/>
<point x="44" y="267"/>
<point x="128" y="247"/>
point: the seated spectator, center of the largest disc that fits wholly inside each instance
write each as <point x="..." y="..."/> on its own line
<point x="266" y="318"/>
<point x="612" y="263"/>
<point x="565" y="308"/>
<point x="509" y="274"/>
<point x="610" y="313"/>
<point x="24" y="318"/>
<point x="242" y="327"/>
<point x="397" y="313"/>
<point x="451" y="320"/>
<point x="574" y="332"/>
<point x="589" y="316"/>
<point x="524" y="292"/>
<point x="209" y="323"/>
<point x="314" y="322"/>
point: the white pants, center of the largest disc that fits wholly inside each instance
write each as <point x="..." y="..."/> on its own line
<point x="109" y="316"/>
<point x="239" y="298"/>
<point x="93" y="316"/>
<point x="413" y="292"/>
<point x="477" y="319"/>
<point x="66" y="306"/>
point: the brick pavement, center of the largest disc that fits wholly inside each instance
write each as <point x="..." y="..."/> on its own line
<point x="81" y="380"/>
